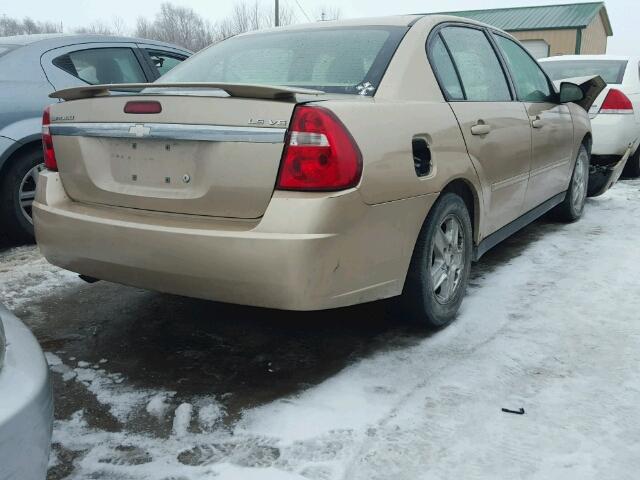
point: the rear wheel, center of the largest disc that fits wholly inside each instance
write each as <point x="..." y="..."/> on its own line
<point x="572" y="207"/>
<point x="632" y="168"/>
<point x="17" y="192"/>
<point x="439" y="271"/>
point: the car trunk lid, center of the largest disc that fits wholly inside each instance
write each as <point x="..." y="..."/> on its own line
<point x="202" y="154"/>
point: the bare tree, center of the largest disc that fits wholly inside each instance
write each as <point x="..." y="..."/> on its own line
<point x="97" y="27"/>
<point x="326" y="13"/>
<point x="144" y="28"/>
<point x="119" y="27"/>
<point x="179" y="25"/>
<point x="115" y="27"/>
<point x="287" y="15"/>
<point x="247" y="17"/>
<point x="176" y="24"/>
<point x="11" y="26"/>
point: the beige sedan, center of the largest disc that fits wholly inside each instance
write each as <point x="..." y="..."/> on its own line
<point x="315" y="166"/>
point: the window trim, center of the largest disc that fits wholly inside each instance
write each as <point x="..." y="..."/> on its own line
<point x="455" y="69"/>
<point x="435" y="31"/>
<point x="144" y="52"/>
<point x="554" y="93"/>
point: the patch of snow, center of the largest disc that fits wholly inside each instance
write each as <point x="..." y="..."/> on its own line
<point x="210" y="414"/>
<point x="25" y="274"/>
<point x="69" y="375"/>
<point x="52" y="359"/>
<point x="182" y="419"/>
<point x="122" y="401"/>
<point x="158" y="405"/>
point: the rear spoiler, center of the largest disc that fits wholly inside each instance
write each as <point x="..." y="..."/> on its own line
<point x="243" y="90"/>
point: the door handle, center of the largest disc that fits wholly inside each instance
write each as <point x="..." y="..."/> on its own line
<point x="480" y="128"/>
<point x="536" y="122"/>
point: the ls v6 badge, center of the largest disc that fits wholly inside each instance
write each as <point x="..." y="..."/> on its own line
<point x="261" y="122"/>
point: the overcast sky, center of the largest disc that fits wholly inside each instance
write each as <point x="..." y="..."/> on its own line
<point x="624" y="14"/>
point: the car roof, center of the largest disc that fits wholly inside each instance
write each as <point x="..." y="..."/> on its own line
<point x="390" y="20"/>
<point x="587" y="57"/>
<point x="55" y="40"/>
<point x="395" y="20"/>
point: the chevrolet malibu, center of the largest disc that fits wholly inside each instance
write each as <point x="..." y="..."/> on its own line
<point x="314" y="167"/>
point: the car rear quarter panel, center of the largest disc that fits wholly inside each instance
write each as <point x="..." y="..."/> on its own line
<point x="409" y="104"/>
<point x="384" y="132"/>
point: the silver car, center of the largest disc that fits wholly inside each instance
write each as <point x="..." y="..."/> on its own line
<point x="26" y="403"/>
<point x="33" y="66"/>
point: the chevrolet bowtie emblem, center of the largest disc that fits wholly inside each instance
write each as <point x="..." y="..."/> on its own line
<point x="139" y="130"/>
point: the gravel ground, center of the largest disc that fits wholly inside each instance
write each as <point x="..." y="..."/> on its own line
<point x="156" y="386"/>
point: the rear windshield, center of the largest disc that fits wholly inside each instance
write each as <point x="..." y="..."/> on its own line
<point x="337" y="60"/>
<point x="611" y="71"/>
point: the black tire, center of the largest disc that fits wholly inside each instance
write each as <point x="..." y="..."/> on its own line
<point x="632" y="168"/>
<point x="420" y="302"/>
<point x="572" y="206"/>
<point x="14" y="223"/>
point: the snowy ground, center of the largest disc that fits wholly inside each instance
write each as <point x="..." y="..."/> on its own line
<point x="550" y="324"/>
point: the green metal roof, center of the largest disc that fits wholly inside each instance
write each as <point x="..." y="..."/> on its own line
<point x="546" y="17"/>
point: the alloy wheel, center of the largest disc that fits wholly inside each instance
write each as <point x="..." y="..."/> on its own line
<point x="580" y="179"/>
<point x="27" y="191"/>
<point x="447" y="259"/>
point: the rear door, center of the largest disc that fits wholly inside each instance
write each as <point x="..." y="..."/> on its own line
<point x="552" y="127"/>
<point x="496" y="128"/>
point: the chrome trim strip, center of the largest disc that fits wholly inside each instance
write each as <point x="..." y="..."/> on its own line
<point x="546" y="168"/>
<point x="170" y="131"/>
<point x="509" y="181"/>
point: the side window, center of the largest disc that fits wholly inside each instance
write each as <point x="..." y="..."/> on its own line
<point x="443" y="66"/>
<point x="480" y="71"/>
<point x="530" y="81"/>
<point x="164" y="61"/>
<point x="102" y="65"/>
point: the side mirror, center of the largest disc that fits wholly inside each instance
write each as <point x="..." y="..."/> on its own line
<point x="570" y="92"/>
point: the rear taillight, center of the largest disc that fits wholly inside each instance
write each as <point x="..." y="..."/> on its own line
<point x="320" y="154"/>
<point x="616" y="102"/>
<point x="47" y="143"/>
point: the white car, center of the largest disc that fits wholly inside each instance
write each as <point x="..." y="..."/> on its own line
<point x="26" y="403"/>
<point x="615" y="114"/>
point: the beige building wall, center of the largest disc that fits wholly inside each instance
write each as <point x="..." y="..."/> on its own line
<point x="561" y="42"/>
<point x="594" y="37"/>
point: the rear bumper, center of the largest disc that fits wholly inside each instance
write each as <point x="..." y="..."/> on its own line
<point x="26" y="405"/>
<point x="604" y="172"/>
<point x="308" y="252"/>
<point x="613" y="133"/>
